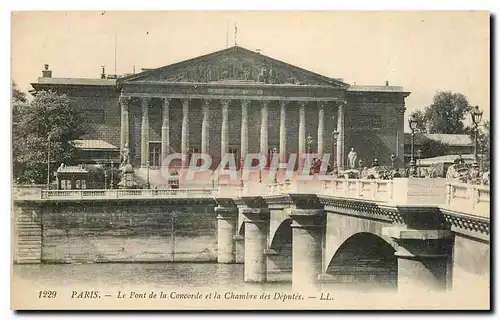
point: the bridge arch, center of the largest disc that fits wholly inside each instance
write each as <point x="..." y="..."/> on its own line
<point x="282" y="236"/>
<point x="279" y="257"/>
<point x="365" y="259"/>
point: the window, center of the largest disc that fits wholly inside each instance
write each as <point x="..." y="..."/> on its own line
<point x="154" y="154"/>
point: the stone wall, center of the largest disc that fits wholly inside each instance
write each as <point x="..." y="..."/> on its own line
<point x="117" y="231"/>
<point x="471" y="265"/>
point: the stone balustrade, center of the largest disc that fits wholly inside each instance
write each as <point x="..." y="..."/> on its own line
<point x="378" y="190"/>
<point x="468" y="198"/>
<point x="460" y="197"/>
<point x="128" y="193"/>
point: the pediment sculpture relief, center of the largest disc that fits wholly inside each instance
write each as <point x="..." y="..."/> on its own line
<point x="237" y="68"/>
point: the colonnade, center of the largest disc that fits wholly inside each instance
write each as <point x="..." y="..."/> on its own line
<point x="224" y="138"/>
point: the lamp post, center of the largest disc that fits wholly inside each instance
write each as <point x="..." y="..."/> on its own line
<point x="105" y="176"/>
<point x="413" y="126"/>
<point x="393" y="159"/>
<point x="48" y="161"/>
<point x="275" y="153"/>
<point x="476" y="116"/>
<point x="112" y="169"/>
<point x="419" y="156"/>
<point x="335" y="135"/>
<point x="310" y="141"/>
<point x="147" y="176"/>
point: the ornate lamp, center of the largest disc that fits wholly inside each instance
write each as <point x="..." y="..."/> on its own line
<point x="413" y="126"/>
<point x="393" y="159"/>
<point x="476" y="116"/>
<point x="335" y="136"/>
<point x="310" y="141"/>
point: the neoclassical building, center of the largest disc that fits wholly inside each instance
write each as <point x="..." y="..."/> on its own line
<point x="236" y="101"/>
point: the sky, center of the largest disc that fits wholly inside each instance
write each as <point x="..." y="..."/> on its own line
<point x="424" y="52"/>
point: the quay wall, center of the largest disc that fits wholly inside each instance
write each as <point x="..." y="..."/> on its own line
<point x="102" y="231"/>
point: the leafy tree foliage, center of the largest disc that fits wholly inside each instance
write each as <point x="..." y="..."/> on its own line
<point x="421" y="122"/>
<point x="18" y="95"/>
<point x="445" y="114"/>
<point x="46" y="125"/>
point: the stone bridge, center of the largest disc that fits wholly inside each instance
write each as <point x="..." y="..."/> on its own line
<point x="405" y="234"/>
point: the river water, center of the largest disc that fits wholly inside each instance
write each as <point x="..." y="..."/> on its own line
<point x="153" y="275"/>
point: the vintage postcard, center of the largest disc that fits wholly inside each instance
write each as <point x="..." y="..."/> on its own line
<point x="250" y="160"/>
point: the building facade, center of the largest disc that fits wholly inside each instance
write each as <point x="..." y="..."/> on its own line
<point x="237" y="101"/>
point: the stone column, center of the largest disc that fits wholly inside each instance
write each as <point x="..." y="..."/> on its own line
<point x="321" y="128"/>
<point x="283" y="131"/>
<point x="185" y="132"/>
<point x="264" y="148"/>
<point x="205" y="128"/>
<point x="224" y="139"/>
<point x="124" y="128"/>
<point x="340" y="139"/>
<point x="165" y="130"/>
<point x="256" y="229"/>
<point x="145" y="132"/>
<point x="307" y="235"/>
<point x="227" y="219"/>
<point x="244" y="128"/>
<point x="302" y="133"/>
<point x="424" y="258"/>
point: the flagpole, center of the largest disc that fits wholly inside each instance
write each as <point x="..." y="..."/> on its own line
<point x="235" y="32"/>
<point x="227" y="34"/>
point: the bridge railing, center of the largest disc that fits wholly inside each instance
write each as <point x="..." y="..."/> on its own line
<point x="128" y="193"/>
<point x="468" y="198"/>
<point x="379" y="190"/>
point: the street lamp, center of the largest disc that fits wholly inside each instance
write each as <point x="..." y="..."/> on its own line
<point x="275" y="153"/>
<point x="413" y="126"/>
<point x="393" y="159"/>
<point x="112" y="167"/>
<point x="419" y="156"/>
<point x="147" y="176"/>
<point x="48" y="161"/>
<point x="476" y="116"/>
<point x="310" y="141"/>
<point x="335" y="135"/>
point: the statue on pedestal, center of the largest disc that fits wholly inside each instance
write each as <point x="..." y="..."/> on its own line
<point x="352" y="157"/>
<point x="125" y="153"/>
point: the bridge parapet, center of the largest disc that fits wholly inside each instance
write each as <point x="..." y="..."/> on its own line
<point x="379" y="190"/>
<point x="468" y="198"/>
<point x="127" y="194"/>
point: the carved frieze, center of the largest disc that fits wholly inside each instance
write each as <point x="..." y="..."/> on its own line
<point x="234" y="65"/>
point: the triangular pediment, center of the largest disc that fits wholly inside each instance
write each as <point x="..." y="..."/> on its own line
<point x="234" y="64"/>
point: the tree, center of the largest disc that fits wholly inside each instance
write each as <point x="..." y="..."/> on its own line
<point x="18" y="95"/>
<point x="483" y="143"/>
<point x="445" y="114"/>
<point x="421" y="122"/>
<point x="46" y="125"/>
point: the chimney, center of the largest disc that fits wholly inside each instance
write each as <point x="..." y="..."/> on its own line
<point x="46" y="73"/>
<point x="103" y="74"/>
